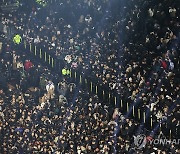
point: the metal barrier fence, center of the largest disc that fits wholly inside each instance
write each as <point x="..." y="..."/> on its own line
<point x="43" y="55"/>
<point x="135" y="112"/>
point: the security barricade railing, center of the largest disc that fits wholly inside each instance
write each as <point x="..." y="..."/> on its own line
<point x="136" y="112"/>
<point x="40" y="54"/>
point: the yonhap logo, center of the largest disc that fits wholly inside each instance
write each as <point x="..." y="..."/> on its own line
<point x="140" y="141"/>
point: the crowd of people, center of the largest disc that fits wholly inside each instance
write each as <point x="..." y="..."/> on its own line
<point x="127" y="47"/>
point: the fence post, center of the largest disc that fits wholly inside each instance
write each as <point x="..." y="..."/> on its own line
<point x="109" y="97"/>
<point x="139" y="114"/>
<point x="160" y="127"/>
<point x="24" y="44"/>
<point x="127" y="107"/>
<point x="70" y="73"/>
<point x="45" y="56"/>
<point x="40" y="53"/>
<point x="49" y="60"/>
<point x="52" y="60"/>
<point x="80" y="79"/>
<point x="35" y="52"/>
<point x="144" y="116"/>
<point x="151" y="122"/>
<point x="30" y="47"/>
<point x="170" y="134"/>
<point x="75" y="75"/>
<point x="96" y="89"/>
<point x="115" y="100"/>
<point x="103" y="94"/>
<point x="133" y="111"/>
<point x="121" y="103"/>
<point x="91" y="86"/>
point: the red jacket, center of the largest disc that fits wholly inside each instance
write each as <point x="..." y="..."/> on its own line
<point x="28" y="65"/>
<point x="164" y="64"/>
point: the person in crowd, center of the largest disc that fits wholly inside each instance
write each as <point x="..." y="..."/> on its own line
<point x="50" y="89"/>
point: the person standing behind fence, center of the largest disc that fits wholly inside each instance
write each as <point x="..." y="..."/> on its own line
<point x="50" y="89"/>
<point x="62" y="88"/>
<point x="42" y="83"/>
<point x="14" y="61"/>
